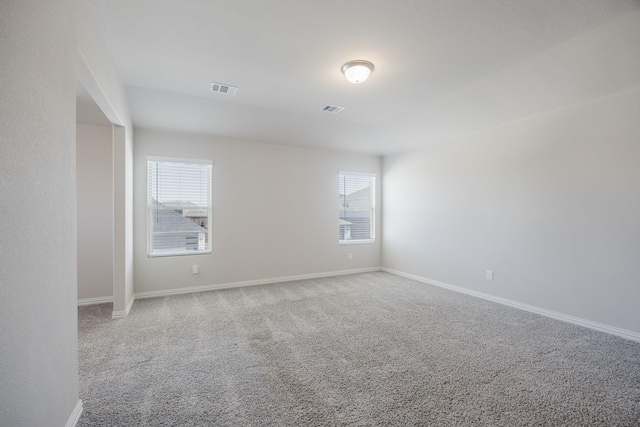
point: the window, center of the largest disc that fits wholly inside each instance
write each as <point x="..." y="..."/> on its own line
<point x="356" y="201"/>
<point x="178" y="206"/>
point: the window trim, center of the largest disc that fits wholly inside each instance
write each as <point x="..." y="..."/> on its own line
<point x="149" y="208"/>
<point x="372" y="209"/>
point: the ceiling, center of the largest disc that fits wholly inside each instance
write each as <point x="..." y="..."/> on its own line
<point x="443" y="68"/>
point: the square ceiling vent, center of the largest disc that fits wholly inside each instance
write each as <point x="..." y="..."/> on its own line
<point x="332" y="109"/>
<point x="223" y="88"/>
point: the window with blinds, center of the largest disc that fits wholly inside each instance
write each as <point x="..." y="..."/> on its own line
<point x="356" y="207"/>
<point x="178" y="206"/>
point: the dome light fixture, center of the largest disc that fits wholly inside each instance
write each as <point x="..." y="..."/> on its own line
<point x="357" y="71"/>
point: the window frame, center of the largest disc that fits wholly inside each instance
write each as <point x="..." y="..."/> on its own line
<point x="371" y="209"/>
<point x="151" y="209"/>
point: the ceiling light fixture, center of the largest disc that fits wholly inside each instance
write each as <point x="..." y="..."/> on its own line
<point x="357" y="71"/>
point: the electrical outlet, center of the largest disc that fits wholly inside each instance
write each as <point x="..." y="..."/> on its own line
<point x="350" y="255"/>
<point x="489" y="275"/>
<point x="195" y="269"/>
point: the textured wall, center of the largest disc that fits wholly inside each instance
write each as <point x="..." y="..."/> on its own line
<point x="550" y="204"/>
<point x="275" y="212"/>
<point x="94" y="165"/>
<point x="38" y="336"/>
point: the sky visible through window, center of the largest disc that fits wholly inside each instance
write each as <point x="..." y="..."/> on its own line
<point x="180" y="182"/>
<point x="349" y="184"/>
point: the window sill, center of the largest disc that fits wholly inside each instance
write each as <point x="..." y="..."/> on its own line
<point x="355" y="242"/>
<point x="178" y="254"/>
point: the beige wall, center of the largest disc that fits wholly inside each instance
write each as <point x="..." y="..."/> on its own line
<point x="38" y="336"/>
<point x="275" y="212"/>
<point x="94" y="165"/>
<point x="551" y="204"/>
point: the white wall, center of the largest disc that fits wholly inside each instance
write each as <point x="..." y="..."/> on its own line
<point x="274" y="212"/>
<point x="551" y="204"/>
<point x="38" y="336"/>
<point x="94" y="165"/>
<point x="96" y="72"/>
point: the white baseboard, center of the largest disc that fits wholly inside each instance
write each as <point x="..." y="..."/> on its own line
<point x="229" y="285"/>
<point x="630" y="335"/>
<point x="95" y="300"/>
<point x="75" y="415"/>
<point x="124" y="313"/>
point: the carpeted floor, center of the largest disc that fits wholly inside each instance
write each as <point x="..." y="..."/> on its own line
<point x="365" y="349"/>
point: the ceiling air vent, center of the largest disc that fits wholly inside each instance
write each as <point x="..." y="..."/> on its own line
<point x="332" y="109"/>
<point x="223" y="88"/>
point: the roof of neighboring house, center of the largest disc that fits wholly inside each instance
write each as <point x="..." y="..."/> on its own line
<point x="343" y="222"/>
<point x="179" y="204"/>
<point x="189" y="209"/>
<point x="194" y="213"/>
<point x="168" y="221"/>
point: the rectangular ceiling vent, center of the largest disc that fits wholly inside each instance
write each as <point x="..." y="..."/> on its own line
<point x="332" y="109"/>
<point x="223" y="88"/>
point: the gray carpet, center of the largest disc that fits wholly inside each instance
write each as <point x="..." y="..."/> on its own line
<point x="365" y="349"/>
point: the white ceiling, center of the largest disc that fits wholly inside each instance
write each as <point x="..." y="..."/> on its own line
<point x="444" y="68"/>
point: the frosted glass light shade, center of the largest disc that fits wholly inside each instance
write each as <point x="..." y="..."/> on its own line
<point x="357" y="71"/>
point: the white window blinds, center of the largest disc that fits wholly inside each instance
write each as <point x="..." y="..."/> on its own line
<point x="178" y="206"/>
<point x="356" y="202"/>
